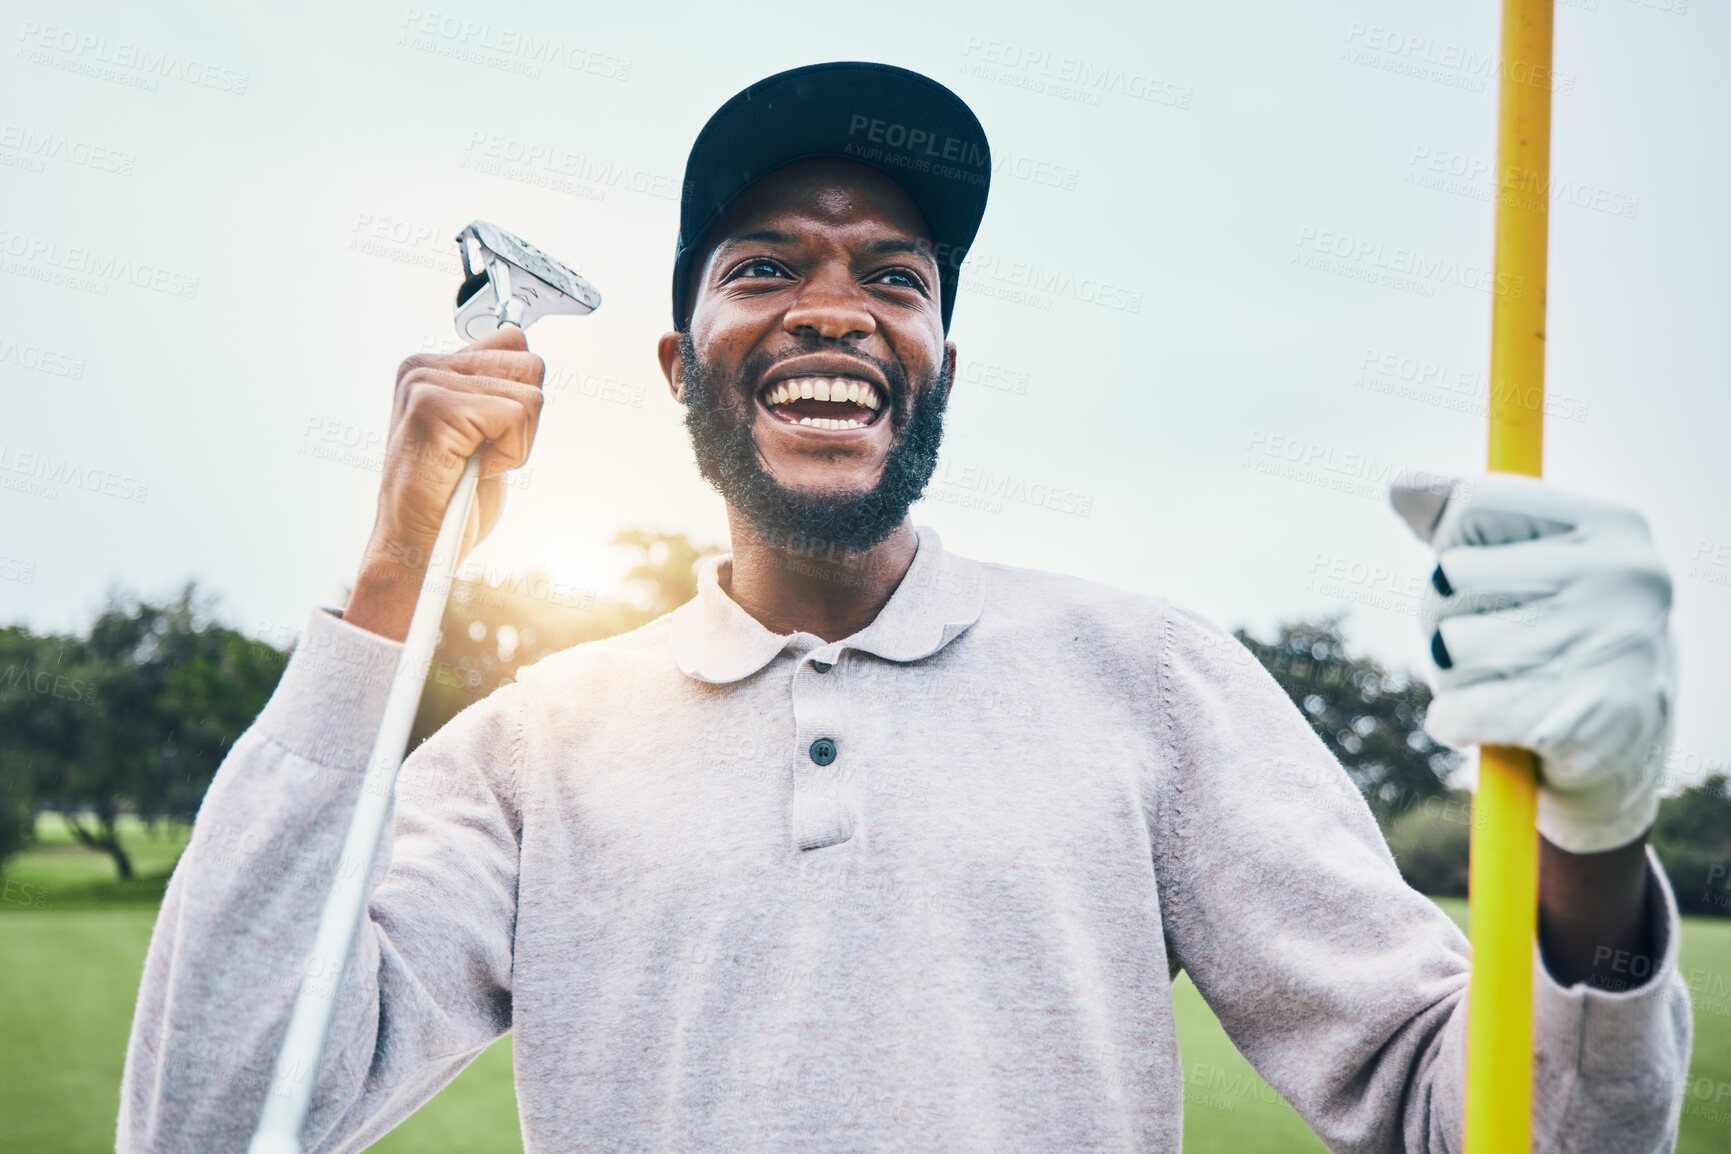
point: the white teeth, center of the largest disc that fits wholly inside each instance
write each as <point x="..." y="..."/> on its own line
<point x="831" y="423"/>
<point x="838" y="389"/>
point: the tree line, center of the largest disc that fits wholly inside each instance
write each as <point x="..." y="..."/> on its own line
<point x="134" y="715"/>
<point x="1372" y="719"/>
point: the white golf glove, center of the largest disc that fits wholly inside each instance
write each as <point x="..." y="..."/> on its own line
<point x="1548" y="623"/>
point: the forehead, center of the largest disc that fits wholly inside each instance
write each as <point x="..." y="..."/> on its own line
<point x="823" y="193"/>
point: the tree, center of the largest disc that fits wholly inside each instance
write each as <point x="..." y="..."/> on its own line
<point x="16" y="808"/>
<point x="43" y="709"/>
<point x="212" y="690"/>
<point x="1431" y="844"/>
<point x="492" y="629"/>
<point x="1693" y="838"/>
<point x="667" y="573"/>
<point x="137" y="716"/>
<point x="19" y="659"/>
<point x="1372" y="719"/>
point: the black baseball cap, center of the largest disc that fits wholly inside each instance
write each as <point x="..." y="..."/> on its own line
<point x="902" y="123"/>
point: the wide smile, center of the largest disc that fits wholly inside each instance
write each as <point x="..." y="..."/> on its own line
<point x="832" y="403"/>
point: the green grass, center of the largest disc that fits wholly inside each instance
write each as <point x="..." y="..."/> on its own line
<point x="59" y="873"/>
<point x="1228" y="1109"/>
<point x="71" y="981"/>
<point x="72" y="964"/>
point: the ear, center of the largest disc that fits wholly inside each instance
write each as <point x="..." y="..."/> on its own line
<point x="672" y="366"/>
<point x="949" y="368"/>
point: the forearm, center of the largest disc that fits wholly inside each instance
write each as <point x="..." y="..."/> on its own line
<point x="1594" y="925"/>
<point x="383" y="600"/>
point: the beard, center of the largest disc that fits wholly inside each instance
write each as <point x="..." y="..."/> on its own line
<point x="719" y="414"/>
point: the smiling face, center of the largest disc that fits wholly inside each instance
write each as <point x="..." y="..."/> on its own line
<point x="815" y="371"/>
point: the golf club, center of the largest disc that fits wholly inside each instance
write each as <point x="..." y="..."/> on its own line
<point x="507" y="281"/>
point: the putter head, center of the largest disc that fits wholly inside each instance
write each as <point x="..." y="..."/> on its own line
<point x="510" y="281"/>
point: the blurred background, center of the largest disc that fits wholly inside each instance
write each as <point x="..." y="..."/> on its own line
<point x="1234" y="278"/>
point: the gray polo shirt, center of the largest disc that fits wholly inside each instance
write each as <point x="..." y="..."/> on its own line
<point x="921" y="889"/>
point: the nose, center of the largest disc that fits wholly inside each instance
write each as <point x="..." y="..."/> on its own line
<point x="831" y="305"/>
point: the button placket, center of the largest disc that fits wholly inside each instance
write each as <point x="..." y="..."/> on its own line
<point x="822" y="808"/>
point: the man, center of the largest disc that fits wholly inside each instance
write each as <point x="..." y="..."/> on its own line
<point x="873" y="847"/>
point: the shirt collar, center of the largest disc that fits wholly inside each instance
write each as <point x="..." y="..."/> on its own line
<point x="714" y="640"/>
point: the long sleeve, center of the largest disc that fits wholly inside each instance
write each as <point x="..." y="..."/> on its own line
<point x="1345" y="988"/>
<point x="429" y="980"/>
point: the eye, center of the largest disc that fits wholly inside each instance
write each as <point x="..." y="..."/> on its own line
<point x="900" y="278"/>
<point x="759" y="268"/>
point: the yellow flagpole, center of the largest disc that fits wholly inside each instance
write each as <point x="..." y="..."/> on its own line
<point x="1504" y="872"/>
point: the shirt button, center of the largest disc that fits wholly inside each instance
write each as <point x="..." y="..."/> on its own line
<point x="823" y="751"/>
<point x="823" y="666"/>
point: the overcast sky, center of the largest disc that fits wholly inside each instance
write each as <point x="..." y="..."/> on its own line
<point x="1234" y="272"/>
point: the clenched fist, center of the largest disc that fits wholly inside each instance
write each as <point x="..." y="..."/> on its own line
<point x="1548" y="619"/>
<point x="484" y="398"/>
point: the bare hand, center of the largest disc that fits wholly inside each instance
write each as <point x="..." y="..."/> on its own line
<point x="484" y="398"/>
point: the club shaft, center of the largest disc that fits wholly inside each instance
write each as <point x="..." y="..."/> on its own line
<point x="285" y="1110"/>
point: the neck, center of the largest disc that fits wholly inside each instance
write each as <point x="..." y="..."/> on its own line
<point x="826" y="592"/>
